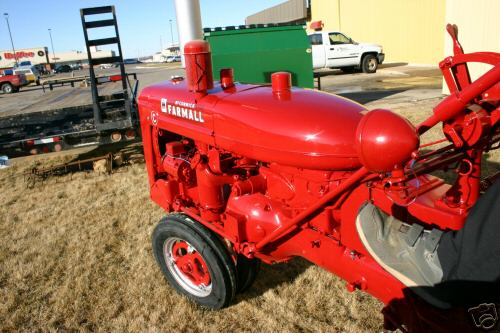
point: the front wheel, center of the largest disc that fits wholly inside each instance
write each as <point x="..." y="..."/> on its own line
<point x="190" y="258"/>
<point x="369" y="64"/>
<point x="7" y="88"/>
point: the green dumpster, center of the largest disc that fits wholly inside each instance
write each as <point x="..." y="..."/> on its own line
<point x="255" y="52"/>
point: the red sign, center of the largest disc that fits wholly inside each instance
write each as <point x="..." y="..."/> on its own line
<point x="20" y="54"/>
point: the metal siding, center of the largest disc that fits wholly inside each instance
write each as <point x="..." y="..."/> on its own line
<point x="255" y="54"/>
<point x="290" y="11"/>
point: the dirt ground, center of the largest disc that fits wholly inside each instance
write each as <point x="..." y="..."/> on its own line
<point x="75" y="256"/>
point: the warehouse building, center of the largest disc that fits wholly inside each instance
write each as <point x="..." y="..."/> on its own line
<point x="411" y="31"/>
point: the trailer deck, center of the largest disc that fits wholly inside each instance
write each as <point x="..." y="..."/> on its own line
<point x="34" y="100"/>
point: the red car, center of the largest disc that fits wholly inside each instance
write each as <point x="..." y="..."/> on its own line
<point x="12" y="83"/>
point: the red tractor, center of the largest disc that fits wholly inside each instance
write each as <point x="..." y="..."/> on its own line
<point x="252" y="173"/>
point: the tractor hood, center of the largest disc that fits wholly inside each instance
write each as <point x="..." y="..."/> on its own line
<point x="302" y="128"/>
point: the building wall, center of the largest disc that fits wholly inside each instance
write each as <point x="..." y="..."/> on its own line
<point x="79" y="56"/>
<point x="409" y="30"/>
<point x="478" y="29"/>
<point x="37" y="55"/>
<point x="40" y="55"/>
<point x="290" y="11"/>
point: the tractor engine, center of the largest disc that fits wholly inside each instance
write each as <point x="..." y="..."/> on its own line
<point x="247" y="158"/>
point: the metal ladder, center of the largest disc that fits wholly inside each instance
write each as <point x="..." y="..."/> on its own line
<point x="101" y="103"/>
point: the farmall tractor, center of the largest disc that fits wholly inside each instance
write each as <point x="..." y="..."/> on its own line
<point x="252" y="173"/>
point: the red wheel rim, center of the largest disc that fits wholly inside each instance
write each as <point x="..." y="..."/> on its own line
<point x="187" y="266"/>
<point x="191" y="263"/>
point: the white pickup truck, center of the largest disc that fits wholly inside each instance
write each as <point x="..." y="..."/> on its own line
<point x="336" y="50"/>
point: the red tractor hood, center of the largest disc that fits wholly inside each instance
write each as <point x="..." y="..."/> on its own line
<point x="303" y="128"/>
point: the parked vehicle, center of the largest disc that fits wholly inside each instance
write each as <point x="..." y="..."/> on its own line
<point x="332" y="49"/>
<point x="131" y="61"/>
<point x="30" y="72"/>
<point x="11" y="83"/>
<point x="170" y="59"/>
<point x="23" y="63"/>
<point x="106" y="66"/>
<point x="76" y="67"/>
<point x="177" y="58"/>
<point x="63" y="69"/>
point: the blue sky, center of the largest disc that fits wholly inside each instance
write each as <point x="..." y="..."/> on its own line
<point x="141" y="23"/>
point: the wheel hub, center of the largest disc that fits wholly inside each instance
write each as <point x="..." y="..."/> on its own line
<point x="187" y="266"/>
<point x="372" y="63"/>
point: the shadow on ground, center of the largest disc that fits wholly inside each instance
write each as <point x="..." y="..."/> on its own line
<point x="367" y="96"/>
<point x="393" y="64"/>
<point x="273" y="276"/>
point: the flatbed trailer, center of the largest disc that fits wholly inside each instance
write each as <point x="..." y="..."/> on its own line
<point x="58" y="120"/>
<point x="105" y="112"/>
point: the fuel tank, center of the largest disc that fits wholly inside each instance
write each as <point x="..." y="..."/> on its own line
<point x="301" y="128"/>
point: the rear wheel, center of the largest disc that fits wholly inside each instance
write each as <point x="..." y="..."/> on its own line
<point x="7" y="88"/>
<point x="194" y="261"/>
<point x="247" y="270"/>
<point x="369" y="63"/>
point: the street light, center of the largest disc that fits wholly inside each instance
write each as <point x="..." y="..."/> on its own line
<point x="6" y="15"/>
<point x="52" y="44"/>
<point x="171" y="34"/>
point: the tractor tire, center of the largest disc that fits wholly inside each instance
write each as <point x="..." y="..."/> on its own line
<point x="7" y="88"/>
<point x="247" y="270"/>
<point x="194" y="261"/>
<point x="369" y="64"/>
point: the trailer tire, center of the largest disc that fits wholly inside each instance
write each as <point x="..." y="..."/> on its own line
<point x="369" y="64"/>
<point x="194" y="261"/>
<point x="247" y="271"/>
<point x="7" y="88"/>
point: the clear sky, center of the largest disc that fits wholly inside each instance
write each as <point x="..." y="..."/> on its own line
<point x="141" y="22"/>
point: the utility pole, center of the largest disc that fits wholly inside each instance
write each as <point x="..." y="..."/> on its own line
<point x="52" y="44"/>
<point x="161" y="44"/>
<point x="6" y="15"/>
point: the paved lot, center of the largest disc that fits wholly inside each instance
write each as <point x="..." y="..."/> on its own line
<point x="388" y="84"/>
<point x="34" y="98"/>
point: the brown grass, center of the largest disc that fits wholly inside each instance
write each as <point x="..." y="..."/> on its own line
<point x="75" y="256"/>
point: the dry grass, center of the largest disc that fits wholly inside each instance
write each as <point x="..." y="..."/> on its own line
<point x="75" y="256"/>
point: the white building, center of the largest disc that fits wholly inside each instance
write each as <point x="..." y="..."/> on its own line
<point x="37" y="55"/>
<point x="172" y="50"/>
<point x="41" y="56"/>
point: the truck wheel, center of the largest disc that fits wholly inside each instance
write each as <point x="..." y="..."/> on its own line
<point x="194" y="261"/>
<point x="247" y="270"/>
<point x="7" y="88"/>
<point x="369" y="63"/>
